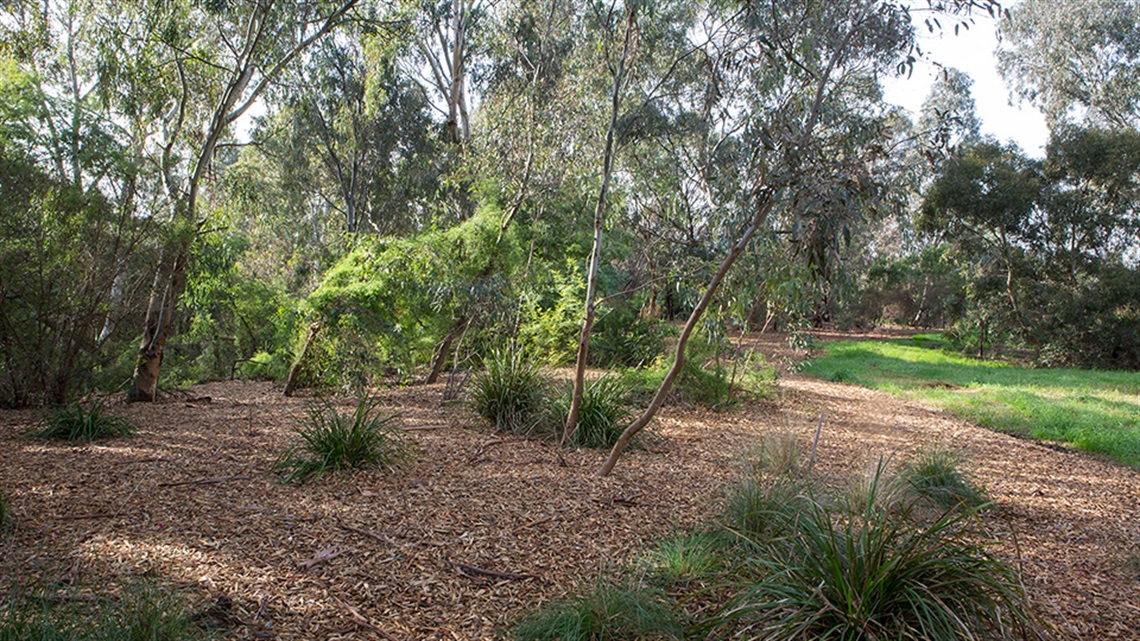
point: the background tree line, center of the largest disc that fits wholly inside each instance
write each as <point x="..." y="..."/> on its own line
<point x="348" y="191"/>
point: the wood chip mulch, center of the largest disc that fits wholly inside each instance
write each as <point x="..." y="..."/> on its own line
<point x="481" y="528"/>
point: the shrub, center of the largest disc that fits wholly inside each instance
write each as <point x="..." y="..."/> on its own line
<point x="934" y="475"/>
<point x="79" y="423"/>
<point x="872" y="574"/>
<point x="332" y="441"/>
<point x="695" y="384"/>
<point x="606" y="611"/>
<point x="512" y="392"/>
<point x="604" y="414"/>
<point x="621" y="338"/>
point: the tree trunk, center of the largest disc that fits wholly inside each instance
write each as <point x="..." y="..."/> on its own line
<point x="762" y="211"/>
<point x="159" y="318"/>
<point x="291" y="381"/>
<point x="599" y="227"/>
<point x="443" y="348"/>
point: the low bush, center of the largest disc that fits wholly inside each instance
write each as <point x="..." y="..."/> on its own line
<point x="621" y="338"/>
<point x="604" y="414"/>
<point x="332" y="441"/>
<point x="607" y="610"/>
<point x="512" y="392"/>
<point x="695" y="384"/>
<point x="79" y="423"/>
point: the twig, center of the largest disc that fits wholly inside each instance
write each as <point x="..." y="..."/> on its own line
<point x="426" y="428"/>
<point x="483" y="448"/>
<point x="206" y="481"/>
<point x="324" y="556"/>
<point x="815" y="443"/>
<point x="79" y="517"/>
<point x="359" y="620"/>
<point x="534" y="523"/>
<point x="464" y="569"/>
<point x="383" y="538"/>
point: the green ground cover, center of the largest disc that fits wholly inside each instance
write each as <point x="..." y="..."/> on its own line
<point x="1095" y="410"/>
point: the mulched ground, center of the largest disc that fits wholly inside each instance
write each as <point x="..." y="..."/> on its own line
<point x="480" y="529"/>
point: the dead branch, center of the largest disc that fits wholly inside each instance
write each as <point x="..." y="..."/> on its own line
<point x="324" y="556"/>
<point x="359" y="620"/>
<point x="383" y="538"/>
<point x="466" y="569"/>
<point x="206" y="481"/>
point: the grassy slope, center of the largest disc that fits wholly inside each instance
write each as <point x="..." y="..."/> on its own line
<point x="1091" y="409"/>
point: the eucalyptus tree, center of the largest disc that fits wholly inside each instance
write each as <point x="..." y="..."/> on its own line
<point x="1077" y="60"/>
<point x="447" y="34"/>
<point x="809" y="151"/>
<point x="217" y="58"/>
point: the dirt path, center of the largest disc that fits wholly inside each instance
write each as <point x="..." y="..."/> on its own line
<point x="190" y="500"/>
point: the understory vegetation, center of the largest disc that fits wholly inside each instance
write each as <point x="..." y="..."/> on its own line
<point x="333" y="441"/>
<point x="1095" y="410"/>
<point x="79" y="422"/>
<point x="790" y="559"/>
<point x="140" y="611"/>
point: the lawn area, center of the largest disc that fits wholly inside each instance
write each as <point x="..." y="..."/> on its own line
<point x="1092" y="409"/>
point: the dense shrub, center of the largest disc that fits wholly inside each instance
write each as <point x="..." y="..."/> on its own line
<point x="622" y="338"/>
<point x="332" y="441"/>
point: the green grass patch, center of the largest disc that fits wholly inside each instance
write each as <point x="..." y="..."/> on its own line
<point x="79" y="423"/>
<point x="142" y="611"/>
<point x="1095" y="410"/>
<point x="607" y="610"/>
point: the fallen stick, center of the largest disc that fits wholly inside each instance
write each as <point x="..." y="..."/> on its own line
<point x="78" y="517"/>
<point x="359" y="620"/>
<point x="533" y="523"/>
<point x="324" y="556"/>
<point x="426" y="428"/>
<point x="383" y="538"/>
<point x="206" y="481"/>
<point x="466" y="568"/>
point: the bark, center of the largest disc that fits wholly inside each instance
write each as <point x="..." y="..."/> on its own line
<point x="292" y="380"/>
<point x="599" y="227"/>
<point x="442" y="350"/>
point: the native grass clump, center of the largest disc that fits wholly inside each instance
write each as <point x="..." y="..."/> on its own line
<point x="792" y="558"/>
<point x="334" y="441"/>
<point x="605" y="412"/>
<point x="512" y="392"/>
<point x="78" y="422"/>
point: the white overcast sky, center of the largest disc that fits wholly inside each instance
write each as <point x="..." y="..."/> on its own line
<point x="972" y="51"/>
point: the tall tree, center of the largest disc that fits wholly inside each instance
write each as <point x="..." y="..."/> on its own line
<point x="221" y="57"/>
<point x="1075" y="59"/>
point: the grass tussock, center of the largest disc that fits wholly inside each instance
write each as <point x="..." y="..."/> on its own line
<point x="936" y="475"/>
<point x="142" y="612"/>
<point x="512" y="392"/>
<point x="80" y="423"/>
<point x="607" y="610"/>
<point x="604" y="415"/>
<point x="791" y="559"/>
<point x="332" y="441"/>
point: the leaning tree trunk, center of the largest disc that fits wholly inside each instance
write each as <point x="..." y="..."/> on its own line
<point x="763" y="209"/>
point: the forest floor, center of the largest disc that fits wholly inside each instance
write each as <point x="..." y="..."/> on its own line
<point x="400" y="554"/>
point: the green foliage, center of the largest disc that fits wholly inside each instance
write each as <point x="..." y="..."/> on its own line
<point x="512" y="392"/>
<point x="1091" y="409"/>
<point x="872" y="574"/>
<point x="79" y="423"/>
<point x="143" y="612"/>
<point x="265" y="365"/>
<point x="605" y="611"/>
<point x="622" y="338"/>
<point x="333" y="442"/>
<point x="604" y="415"/>
<point x="708" y="387"/>
<point x="936" y="475"/>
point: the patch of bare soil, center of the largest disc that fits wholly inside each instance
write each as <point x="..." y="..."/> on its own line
<point x="480" y="529"/>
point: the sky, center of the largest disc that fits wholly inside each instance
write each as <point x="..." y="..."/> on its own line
<point x="972" y="51"/>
